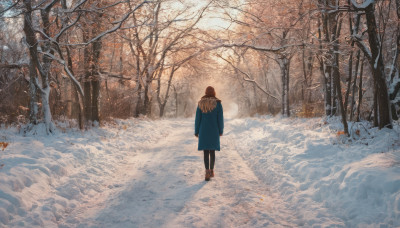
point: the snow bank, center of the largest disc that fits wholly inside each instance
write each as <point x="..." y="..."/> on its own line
<point x="328" y="179"/>
<point x="45" y="177"/>
<point x="313" y="175"/>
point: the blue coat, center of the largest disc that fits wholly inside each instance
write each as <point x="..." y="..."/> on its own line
<point x="209" y="124"/>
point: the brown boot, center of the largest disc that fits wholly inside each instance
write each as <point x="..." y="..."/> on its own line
<point x="208" y="174"/>
<point x="211" y="173"/>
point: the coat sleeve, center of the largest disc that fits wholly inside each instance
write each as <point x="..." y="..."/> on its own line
<point x="220" y="119"/>
<point x="197" y="121"/>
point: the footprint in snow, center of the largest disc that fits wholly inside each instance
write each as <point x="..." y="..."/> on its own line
<point x="205" y="199"/>
<point x="115" y="186"/>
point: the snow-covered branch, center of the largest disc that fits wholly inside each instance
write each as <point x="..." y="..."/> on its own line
<point x="115" y="28"/>
<point x="66" y="69"/>
<point x="8" y="8"/>
<point x="394" y="89"/>
<point x="76" y="7"/>
<point x="363" y="47"/>
<point x="258" y="48"/>
<point x="50" y="5"/>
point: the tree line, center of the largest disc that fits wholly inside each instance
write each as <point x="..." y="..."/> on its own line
<point x="89" y="60"/>
<point x="344" y="52"/>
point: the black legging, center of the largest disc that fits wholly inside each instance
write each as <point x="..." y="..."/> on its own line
<point x="207" y="155"/>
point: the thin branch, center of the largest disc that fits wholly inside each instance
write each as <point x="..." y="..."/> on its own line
<point x="8" y="8"/>
<point x="66" y="69"/>
<point x="119" y="76"/>
<point x="12" y="65"/>
<point x="249" y="79"/>
<point x="57" y="37"/>
<point x="265" y="49"/>
<point x="115" y="28"/>
<point x="363" y="47"/>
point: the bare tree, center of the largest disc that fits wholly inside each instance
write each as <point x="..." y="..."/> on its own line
<point x="153" y="46"/>
<point x="39" y="19"/>
<point x="375" y="57"/>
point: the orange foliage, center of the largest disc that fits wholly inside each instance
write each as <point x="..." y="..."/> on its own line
<point x="3" y="145"/>
<point x="339" y="133"/>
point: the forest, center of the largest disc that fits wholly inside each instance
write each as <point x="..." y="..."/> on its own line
<point x="106" y="111"/>
<point x="87" y="61"/>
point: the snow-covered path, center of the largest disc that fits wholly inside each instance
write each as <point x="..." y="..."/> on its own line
<point x="163" y="186"/>
<point x="271" y="172"/>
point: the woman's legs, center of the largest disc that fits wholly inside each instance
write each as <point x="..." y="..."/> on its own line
<point x="207" y="159"/>
<point x="207" y="155"/>
<point x="207" y="164"/>
<point x="212" y="156"/>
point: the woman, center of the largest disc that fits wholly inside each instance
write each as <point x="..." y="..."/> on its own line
<point x="209" y="126"/>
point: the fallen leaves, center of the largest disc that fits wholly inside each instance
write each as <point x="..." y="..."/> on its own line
<point x="3" y="145"/>
<point x="339" y="133"/>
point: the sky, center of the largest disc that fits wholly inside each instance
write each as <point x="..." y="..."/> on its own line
<point x="214" y="19"/>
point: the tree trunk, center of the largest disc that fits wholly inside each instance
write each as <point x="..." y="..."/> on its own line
<point x="336" y="76"/>
<point x="360" y="92"/>
<point x="88" y="99"/>
<point x="77" y="105"/>
<point x="342" y="110"/>
<point x="146" y="104"/>
<point x="334" y="94"/>
<point x="284" y="64"/>
<point x="395" y="88"/>
<point x="33" y="106"/>
<point x="164" y="103"/>
<point x="138" y="109"/>
<point x="42" y="68"/>
<point x="353" y="96"/>
<point x="95" y="80"/>
<point x="162" y="108"/>
<point x="176" y="102"/>
<point x="376" y="121"/>
<point x="45" y="93"/>
<point x="86" y="81"/>
<point x="287" y="88"/>
<point x="349" y="80"/>
<point x="353" y="31"/>
<point x="324" y="71"/>
<point x="283" y="80"/>
<point x="46" y="65"/>
<point x="307" y="63"/>
<point x="305" y="84"/>
<point x="378" y="70"/>
<point x="95" y="99"/>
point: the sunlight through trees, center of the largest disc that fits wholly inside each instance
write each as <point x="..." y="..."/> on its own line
<point x="94" y="60"/>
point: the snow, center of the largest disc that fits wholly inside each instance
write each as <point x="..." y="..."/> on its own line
<point x="364" y="5"/>
<point x="392" y="86"/>
<point x="271" y="172"/>
<point x="376" y="60"/>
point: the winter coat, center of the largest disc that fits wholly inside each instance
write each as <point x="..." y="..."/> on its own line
<point x="209" y="123"/>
